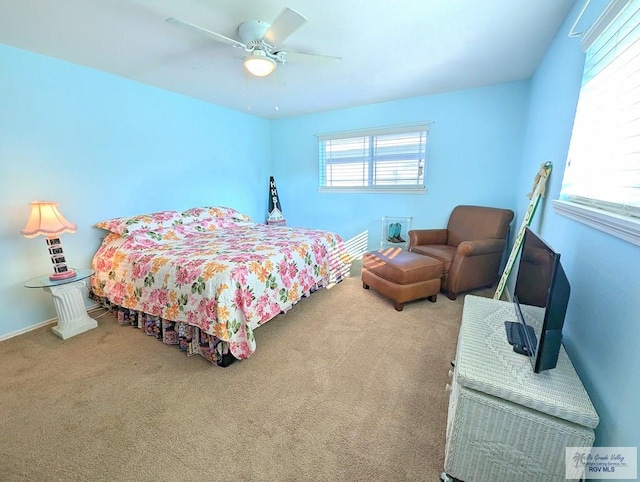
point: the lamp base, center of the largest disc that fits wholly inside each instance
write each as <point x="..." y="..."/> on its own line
<point x="64" y="275"/>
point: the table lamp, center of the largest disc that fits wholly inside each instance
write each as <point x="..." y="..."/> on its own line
<point x="46" y="220"/>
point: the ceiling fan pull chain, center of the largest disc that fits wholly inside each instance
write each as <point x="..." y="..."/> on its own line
<point x="246" y="89"/>
<point x="275" y="91"/>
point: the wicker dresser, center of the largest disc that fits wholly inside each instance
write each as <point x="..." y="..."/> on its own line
<point x="505" y="422"/>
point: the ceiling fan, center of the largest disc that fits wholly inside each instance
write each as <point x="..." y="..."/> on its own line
<point x="262" y="40"/>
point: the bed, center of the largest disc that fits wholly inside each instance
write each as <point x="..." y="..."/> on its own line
<point x="206" y="278"/>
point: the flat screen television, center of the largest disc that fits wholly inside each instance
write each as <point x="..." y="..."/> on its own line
<point x="540" y="299"/>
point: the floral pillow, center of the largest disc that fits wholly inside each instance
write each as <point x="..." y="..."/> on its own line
<point x="142" y="223"/>
<point x="207" y="213"/>
<point x="199" y="219"/>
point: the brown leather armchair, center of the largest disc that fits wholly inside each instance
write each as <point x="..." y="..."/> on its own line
<point x="470" y="248"/>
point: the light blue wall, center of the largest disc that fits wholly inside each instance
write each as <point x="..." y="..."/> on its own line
<point x="103" y="147"/>
<point x="602" y="327"/>
<point x="474" y="152"/>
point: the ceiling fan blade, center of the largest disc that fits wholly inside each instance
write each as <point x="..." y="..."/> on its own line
<point x="307" y="57"/>
<point x="214" y="35"/>
<point x="287" y="22"/>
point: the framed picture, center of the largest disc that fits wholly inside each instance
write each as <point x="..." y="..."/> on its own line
<point x="57" y="259"/>
<point x="60" y="268"/>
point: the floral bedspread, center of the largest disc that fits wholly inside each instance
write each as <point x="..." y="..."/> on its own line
<point x="225" y="276"/>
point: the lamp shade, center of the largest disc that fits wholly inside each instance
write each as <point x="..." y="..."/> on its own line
<point x="46" y="220"/>
<point x="259" y="64"/>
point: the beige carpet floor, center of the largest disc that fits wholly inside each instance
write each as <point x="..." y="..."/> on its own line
<point x="340" y="388"/>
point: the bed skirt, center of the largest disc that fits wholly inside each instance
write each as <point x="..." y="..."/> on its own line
<point x="190" y="339"/>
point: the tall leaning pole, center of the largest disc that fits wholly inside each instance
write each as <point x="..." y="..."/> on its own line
<point x="539" y="187"/>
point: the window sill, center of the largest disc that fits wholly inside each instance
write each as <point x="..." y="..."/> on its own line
<point x="370" y="190"/>
<point x="623" y="227"/>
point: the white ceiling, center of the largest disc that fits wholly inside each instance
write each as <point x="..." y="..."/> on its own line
<point x="390" y="49"/>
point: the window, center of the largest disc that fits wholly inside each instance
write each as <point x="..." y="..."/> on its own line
<point x="385" y="159"/>
<point x="601" y="184"/>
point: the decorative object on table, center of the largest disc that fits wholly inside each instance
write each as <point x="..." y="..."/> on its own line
<point x="275" y="216"/>
<point x="394" y="232"/>
<point x="46" y="220"/>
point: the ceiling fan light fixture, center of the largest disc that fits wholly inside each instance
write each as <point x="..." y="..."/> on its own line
<point x="259" y="64"/>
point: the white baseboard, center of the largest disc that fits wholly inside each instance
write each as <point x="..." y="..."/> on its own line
<point x="51" y="321"/>
<point x="94" y="307"/>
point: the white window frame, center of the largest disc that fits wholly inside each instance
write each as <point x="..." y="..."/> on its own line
<point x="618" y="220"/>
<point x="373" y="133"/>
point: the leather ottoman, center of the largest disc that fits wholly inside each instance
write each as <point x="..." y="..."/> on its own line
<point x="401" y="276"/>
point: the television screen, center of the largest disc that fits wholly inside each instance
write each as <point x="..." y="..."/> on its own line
<point x="540" y="299"/>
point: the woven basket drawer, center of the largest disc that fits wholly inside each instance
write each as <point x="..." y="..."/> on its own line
<point x="492" y="440"/>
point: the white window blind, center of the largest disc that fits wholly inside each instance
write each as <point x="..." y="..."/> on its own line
<point x="603" y="165"/>
<point x="391" y="158"/>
